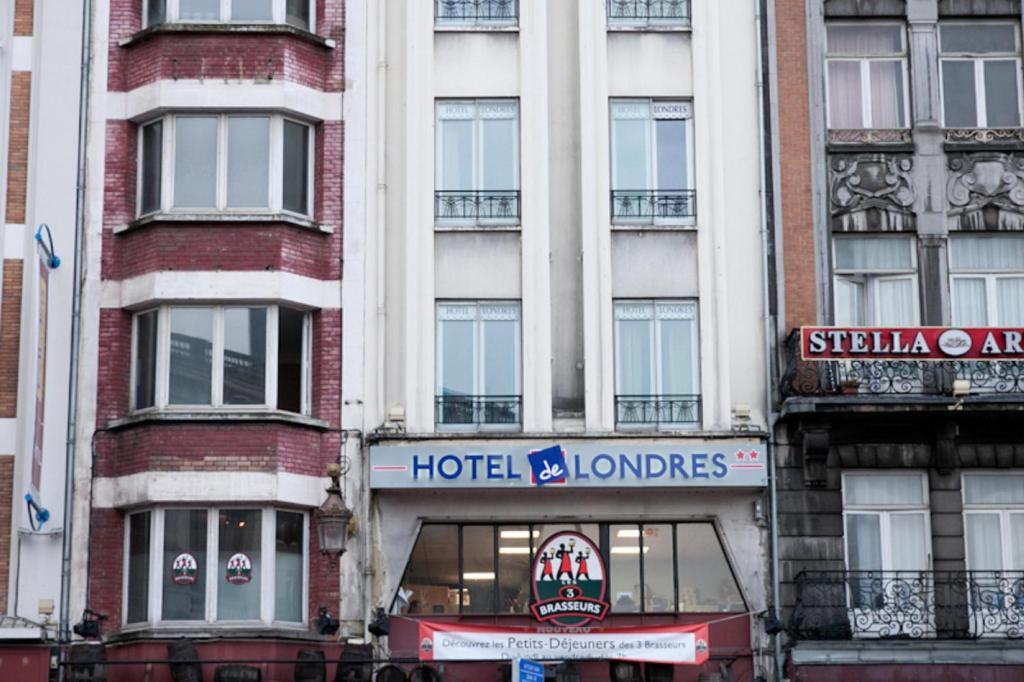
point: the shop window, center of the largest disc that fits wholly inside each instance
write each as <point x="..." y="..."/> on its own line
<point x="657" y="382"/>
<point x="477" y="163"/>
<point x="867" y="76"/>
<point x="987" y="280"/>
<point x="170" y="548"/>
<point x="478" y="365"/>
<point x="875" y="281"/>
<point x="465" y="13"/>
<point x="980" y="74"/>
<point x="225" y="163"/>
<point x="652" y="162"/>
<point x="652" y="568"/>
<point x="648" y="12"/>
<point x="296" y="13"/>
<point x="221" y="356"/>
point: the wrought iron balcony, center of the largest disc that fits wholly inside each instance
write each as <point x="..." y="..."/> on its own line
<point x="644" y="205"/>
<point x="895" y="377"/>
<point x="478" y="410"/>
<point x="481" y="12"/>
<point x="657" y="410"/>
<point x="483" y="206"/>
<point x="628" y="11"/>
<point x="837" y="605"/>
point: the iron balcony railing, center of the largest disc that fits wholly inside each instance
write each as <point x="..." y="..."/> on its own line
<point x="642" y="10"/>
<point x="657" y="410"/>
<point x="842" y="605"/>
<point x="644" y="205"/>
<point x="482" y="12"/>
<point x="895" y="377"/>
<point x="478" y="410"/>
<point x="500" y="207"/>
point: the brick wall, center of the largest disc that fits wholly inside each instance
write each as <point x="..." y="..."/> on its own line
<point x="24" y="15"/>
<point x="17" y="150"/>
<point x="106" y="551"/>
<point x="6" y="496"/>
<point x="10" y="337"/>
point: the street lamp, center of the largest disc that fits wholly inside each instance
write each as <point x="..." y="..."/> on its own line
<point x="333" y="518"/>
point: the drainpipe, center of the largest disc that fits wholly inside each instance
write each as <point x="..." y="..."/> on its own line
<point x="64" y="633"/>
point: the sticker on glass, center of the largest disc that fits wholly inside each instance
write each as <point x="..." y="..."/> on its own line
<point x="184" y="569"/>
<point x="238" y="570"/>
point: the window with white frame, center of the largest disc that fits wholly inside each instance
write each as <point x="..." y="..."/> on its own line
<point x="981" y="79"/>
<point x="994" y="521"/>
<point x="245" y="163"/>
<point x="652" y="161"/>
<point x="648" y="12"/>
<point x="464" y="13"/>
<point x="875" y="280"/>
<point x="478" y="364"/>
<point x="987" y="280"/>
<point x="477" y="162"/>
<point x="867" y="76"/>
<point x="223" y="565"/>
<point x="657" y="376"/>
<point x="297" y="13"/>
<point x="232" y="357"/>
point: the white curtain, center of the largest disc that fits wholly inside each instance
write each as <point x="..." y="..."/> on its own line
<point x="903" y="489"/>
<point x="677" y="365"/>
<point x="844" y="95"/>
<point x="456" y="155"/>
<point x="864" y="542"/>
<point x="1017" y="542"/>
<point x="895" y="302"/>
<point x="887" y="107"/>
<point x="970" y="307"/>
<point x="499" y="350"/>
<point x="1001" y="489"/>
<point x="909" y="544"/>
<point x="987" y="253"/>
<point x="635" y="357"/>
<point x="984" y="544"/>
<point x="631" y="149"/>
<point x="874" y="253"/>
<point x="849" y="302"/>
<point x="1010" y="301"/>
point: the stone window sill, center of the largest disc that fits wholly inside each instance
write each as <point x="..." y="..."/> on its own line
<point x="205" y="218"/>
<point x="204" y="631"/>
<point x="650" y="28"/>
<point x="473" y="28"/>
<point x="223" y="416"/>
<point x="212" y="27"/>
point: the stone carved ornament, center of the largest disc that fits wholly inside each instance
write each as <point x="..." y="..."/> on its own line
<point x="872" y="192"/>
<point x="985" y="191"/>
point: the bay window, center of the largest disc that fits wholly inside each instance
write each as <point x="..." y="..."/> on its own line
<point x="657" y="378"/>
<point x="188" y="566"/>
<point x="297" y="13"/>
<point x="987" y="280"/>
<point x="478" y="365"/>
<point x="875" y="280"/>
<point x="235" y="357"/>
<point x="244" y="163"/>
<point x="981" y="79"/>
<point x="867" y="76"/>
<point x="652" y="161"/>
<point x="477" y="162"/>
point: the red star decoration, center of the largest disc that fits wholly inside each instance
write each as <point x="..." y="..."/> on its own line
<point x="740" y="454"/>
<point x="753" y="454"/>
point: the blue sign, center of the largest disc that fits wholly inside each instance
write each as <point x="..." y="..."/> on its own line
<point x="527" y="671"/>
<point x="547" y="466"/>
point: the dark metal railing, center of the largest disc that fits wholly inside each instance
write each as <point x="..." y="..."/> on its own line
<point x="477" y="11"/>
<point x="500" y="206"/>
<point x="472" y="410"/>
<point x="833" y="605"/>
<point x="895" y="377"/>
<point x="633" y="10"/>
<point x="655" y="410"/>
<point x="646" y="204"/>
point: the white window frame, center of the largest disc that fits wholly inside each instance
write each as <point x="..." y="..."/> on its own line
<point x="652" y="155"/>
<point x="870" y="278"/>
<point x="275" y="174"/>
<point x="978" y="60"/>
<point x="163" y="356"/>
<point x="479" y="377"/>
<point x="279" y="15"/>
<point x="648" y="21"/>
<point x="462" y="24"/>
<point x="990" y="276"/>
<point x="865" y="74"/>
<point x="1003" y="509"/>
<point x="213" y="570"/>
<point x="654" y="371"/>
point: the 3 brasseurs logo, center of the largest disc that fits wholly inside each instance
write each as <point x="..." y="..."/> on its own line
<point x="569" y="581"/>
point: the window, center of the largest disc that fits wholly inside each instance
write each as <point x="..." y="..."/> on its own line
<point x="256" y="573"/>
<point x="476" y="12"/>
<point x="221" y="356"/>
<point x="296" y="13"/>
<point x="652" y="568"/>
<point x="875" y="281"/>
<point x="478" y="370"/>
<point x="652" y="162"/>
<point x="648" y="12"/>
<point x="980" y="74"/>
<point x="987" y="280"/>
<point x="867" y="76"/>
<point x="237" y="163"/>
<point x="657" y="376"/>
<point x="477" y="162"/>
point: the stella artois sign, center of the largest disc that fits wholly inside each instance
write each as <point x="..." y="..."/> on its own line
<point x="911" y="343"/>
<point x="238" y="570"/>
<point x="569" y="581"/>
<point x="184" y="569"/>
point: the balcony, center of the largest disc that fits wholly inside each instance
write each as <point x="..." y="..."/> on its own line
<point x="478" y="411"/>
<point x="477" y="12"/>
<point x="477" y="207"/>
<point x="908" y="605"/>
<point x="657" y="206"/>
<point x="657" y="411"/>
<point x="631" y="11"/>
